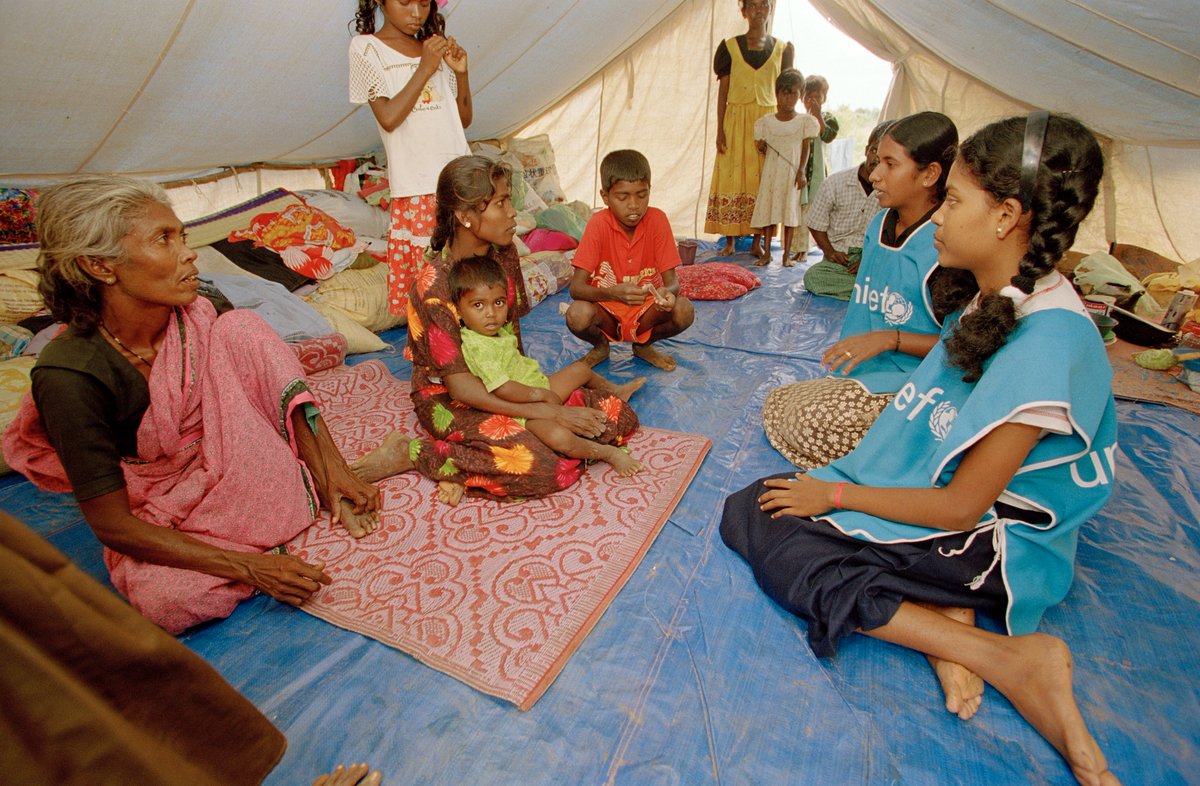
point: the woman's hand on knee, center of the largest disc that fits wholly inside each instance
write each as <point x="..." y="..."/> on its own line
<point x="285" y="578"/>
<point x="802" y="496"/>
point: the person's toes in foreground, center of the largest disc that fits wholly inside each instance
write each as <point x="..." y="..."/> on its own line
<point x="390" y="458"/>
<point x="354" y="775"/>
<point x="449" y="492"/>
<point x="655" y="358"/>
<point x="963" y="688"/>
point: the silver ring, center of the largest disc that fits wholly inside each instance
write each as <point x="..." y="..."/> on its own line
<point x="849" y="355"/>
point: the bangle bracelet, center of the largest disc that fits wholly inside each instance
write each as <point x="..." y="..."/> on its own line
<point x="837" y="495"/>
<point x="897" y="340"/>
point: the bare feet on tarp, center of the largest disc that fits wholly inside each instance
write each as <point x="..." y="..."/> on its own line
<point x="763" y="260"/>
<point x="357" y="524"/>
<point x="596" y="354"/>
<point x="1035" y="675"/>
<point x="962" y="687"/>
<point x="354" y="775"/>
<point x="728" y="249"/>
<point x="449" y="492"/>
<point x="787" y="261"/>
<point x="654" y="357"/>
<point x="390" y="458"/>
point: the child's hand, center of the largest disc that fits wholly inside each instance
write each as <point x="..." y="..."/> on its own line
<point x="664" y="299"/>
<point x="629" y="294"/>
<point x="455" y="57"/>
<point x="801" y="180"/>
<point x="761" y="145"/>
<point x="433" y="49"/>
<point x="721" y="140"/>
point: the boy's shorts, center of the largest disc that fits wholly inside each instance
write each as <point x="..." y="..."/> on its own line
<point x="627" y="318"/>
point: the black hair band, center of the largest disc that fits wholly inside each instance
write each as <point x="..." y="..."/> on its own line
<point x="1031" y="154"/>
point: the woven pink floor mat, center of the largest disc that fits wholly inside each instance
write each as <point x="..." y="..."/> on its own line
<point x="497" y="595"/>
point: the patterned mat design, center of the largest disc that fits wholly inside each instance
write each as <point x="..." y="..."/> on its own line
<point x="496" y="595"/>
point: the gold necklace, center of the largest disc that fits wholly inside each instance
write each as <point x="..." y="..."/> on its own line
<point x="121" y="344"/>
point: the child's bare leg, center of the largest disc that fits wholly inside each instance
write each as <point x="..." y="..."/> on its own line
<point x="1032" y="671"/>
<point x="580" y="375"/>
<point x="664" y="325"/>
<point x="450" y="492"/>
<point x="787" y="246"/>
<point x="756" y="244"/>
<point x="594" y="325"/>
<point x="390" y="458"/>
<point x="561" y="440"/>
<point x="962" y="687"/>
<point x="764" y="254"/>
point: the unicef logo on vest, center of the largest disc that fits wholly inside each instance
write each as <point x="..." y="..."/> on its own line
<point x="941" y="419"/>
<point x="896" y="309"/>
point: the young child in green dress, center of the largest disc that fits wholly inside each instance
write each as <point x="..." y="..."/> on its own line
<point x="493" y="353"/>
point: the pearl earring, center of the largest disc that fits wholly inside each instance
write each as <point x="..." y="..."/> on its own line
<point x="110" y="281"/>
<point x="467" y="224"/>
<point x="999" y="231"/>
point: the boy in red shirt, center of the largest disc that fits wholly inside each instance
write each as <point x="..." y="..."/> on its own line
<point x="624" y="284"/>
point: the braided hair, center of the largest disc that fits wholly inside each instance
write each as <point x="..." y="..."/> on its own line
<point x="1063" y="191"/>
<point x="466" y="183"/>
<point x="364" y="19"/>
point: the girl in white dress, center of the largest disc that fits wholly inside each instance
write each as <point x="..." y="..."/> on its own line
<point x="784" y="138"/>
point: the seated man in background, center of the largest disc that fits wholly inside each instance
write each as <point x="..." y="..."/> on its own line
<point x="838" y="219"/>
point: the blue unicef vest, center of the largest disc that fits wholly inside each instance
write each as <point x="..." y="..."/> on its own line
<point x="1052" y="357"/>
<point x="891" y="293"/>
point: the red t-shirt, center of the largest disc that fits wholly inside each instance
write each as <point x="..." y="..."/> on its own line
<point x="612" y="257"/>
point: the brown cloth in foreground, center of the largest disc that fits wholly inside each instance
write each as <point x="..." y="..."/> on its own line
<point x="93" y="693"/>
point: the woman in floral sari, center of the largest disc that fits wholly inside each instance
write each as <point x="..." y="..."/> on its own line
<point x="478" y="443"/>
<point x="190" y="441"/>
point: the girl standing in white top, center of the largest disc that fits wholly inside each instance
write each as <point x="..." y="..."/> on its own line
<point x="421" y="107"/>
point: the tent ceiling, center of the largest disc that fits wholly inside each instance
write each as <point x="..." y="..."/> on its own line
<point x="176" y="86"/>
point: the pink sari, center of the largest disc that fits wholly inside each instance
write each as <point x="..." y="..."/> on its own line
<point x="216" y="458"/>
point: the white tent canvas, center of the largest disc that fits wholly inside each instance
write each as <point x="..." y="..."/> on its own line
<point x="174" y="88"/>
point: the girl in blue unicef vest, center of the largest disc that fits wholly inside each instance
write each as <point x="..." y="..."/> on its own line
<point x="969" y="490"/>
<point x="895" y="312"/>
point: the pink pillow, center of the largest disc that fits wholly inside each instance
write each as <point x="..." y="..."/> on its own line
<point x="548" y="240"/>
<point x="715" y="281"/>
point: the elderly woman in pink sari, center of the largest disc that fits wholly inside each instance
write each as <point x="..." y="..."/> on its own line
<point x="189" y="440"/>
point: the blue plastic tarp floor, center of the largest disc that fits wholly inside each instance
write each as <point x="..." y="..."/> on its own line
<point x="692" y="676"/>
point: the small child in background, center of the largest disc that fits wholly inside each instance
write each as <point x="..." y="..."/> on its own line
<point x="489" y="346"/>
<point x="624" y="284"/>
<point x="816" y="90"/>
<point x="784" y="138"/>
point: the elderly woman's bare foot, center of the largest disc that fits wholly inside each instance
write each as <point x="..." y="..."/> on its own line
<point x="450" y="493"/>
<point x="963" y="689"/>
<point x="1034" y="673"/>
<point x="390" y="458"/>
<point x="655" y="358"/>
<point x="596" y="354"/>
<point x="357" y="524"/>
<point x="354" y="775"/>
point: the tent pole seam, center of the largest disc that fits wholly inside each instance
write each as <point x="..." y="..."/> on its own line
<point x="141" y="88"/>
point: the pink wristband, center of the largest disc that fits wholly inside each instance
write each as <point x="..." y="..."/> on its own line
<point x="837" y="495"/>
